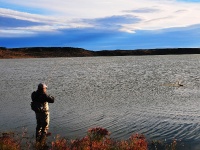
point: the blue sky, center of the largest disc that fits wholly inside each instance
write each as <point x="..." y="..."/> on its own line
<point x="100" y="25"/>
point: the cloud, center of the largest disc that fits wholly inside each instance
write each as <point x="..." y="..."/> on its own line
<point x="26" y="24"/>
<point x="100" y="24"/>
<point x="26" y="9"/>
<point x="143" y="10"/>
<point x="24" y="16"/>
<point x="190" y="1"/>
<point x="96" y="39"/>
<point x="7" y="22"/>
<point x="112" y="22"/>
<point x="122" y="15"/>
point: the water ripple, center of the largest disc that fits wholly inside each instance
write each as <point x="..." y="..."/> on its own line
<point x="123" y="94"/>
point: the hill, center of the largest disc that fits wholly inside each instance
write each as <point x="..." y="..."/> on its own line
<point x="43" y="52"/>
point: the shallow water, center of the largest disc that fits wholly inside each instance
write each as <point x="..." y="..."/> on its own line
<point x="134" y="94"/>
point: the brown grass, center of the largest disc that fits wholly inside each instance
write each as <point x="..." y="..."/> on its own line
<point x="96" y="139"/>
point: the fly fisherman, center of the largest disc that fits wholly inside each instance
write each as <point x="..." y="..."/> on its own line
<point x="40" y="100"/>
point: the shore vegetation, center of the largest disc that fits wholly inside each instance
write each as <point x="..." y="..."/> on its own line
<point x="96" y="139"/>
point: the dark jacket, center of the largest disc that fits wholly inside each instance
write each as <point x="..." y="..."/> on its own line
<point x="43" y="98"/>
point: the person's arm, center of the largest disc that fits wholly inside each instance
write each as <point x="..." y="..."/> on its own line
<point x="49" y="99"/>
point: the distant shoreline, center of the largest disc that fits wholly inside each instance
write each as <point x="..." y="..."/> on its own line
<point x="46" y="52"/>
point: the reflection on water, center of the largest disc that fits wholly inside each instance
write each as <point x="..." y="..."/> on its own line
<point x="123" y="94"/>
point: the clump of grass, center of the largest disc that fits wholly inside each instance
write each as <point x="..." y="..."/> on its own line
<point x="135" y="142"/>
<point x="16" y="141"/>
<point x="96" y="139"/>
<point x="172" y="146"/>
<point x="97" y="134"/>
<point x="8" y="142"/>
<point x="159" y="145"/>
<point x="60" y="143"/>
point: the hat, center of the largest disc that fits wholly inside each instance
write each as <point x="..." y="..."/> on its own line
<point x="42" y="86"/>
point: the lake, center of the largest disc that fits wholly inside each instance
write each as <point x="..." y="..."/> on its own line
<point x="158" y="96"/>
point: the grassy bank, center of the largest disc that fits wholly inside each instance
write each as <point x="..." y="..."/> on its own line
<point x="96" y="139"/>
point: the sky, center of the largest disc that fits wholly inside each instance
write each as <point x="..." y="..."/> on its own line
<point x="100" y="24"/>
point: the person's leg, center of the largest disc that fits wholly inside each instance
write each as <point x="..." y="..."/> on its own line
<point x="39" y="125"/>
<point x="47" y="120"/>
<point x="45" y="127"/>
<point x="45" y="123"/>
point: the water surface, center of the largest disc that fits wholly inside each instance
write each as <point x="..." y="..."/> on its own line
<point x="134" y="94"/>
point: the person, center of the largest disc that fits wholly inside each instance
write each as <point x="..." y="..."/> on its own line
<point x="41" y="97"/>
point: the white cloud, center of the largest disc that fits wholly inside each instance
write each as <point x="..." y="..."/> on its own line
<point x="50" y="23"/>
<point x="171" y="14"/>
<point x="72" y="14"/>
<point x="15" y="33"/>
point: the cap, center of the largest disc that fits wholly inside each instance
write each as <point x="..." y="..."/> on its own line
<point x="42" y="86"/>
